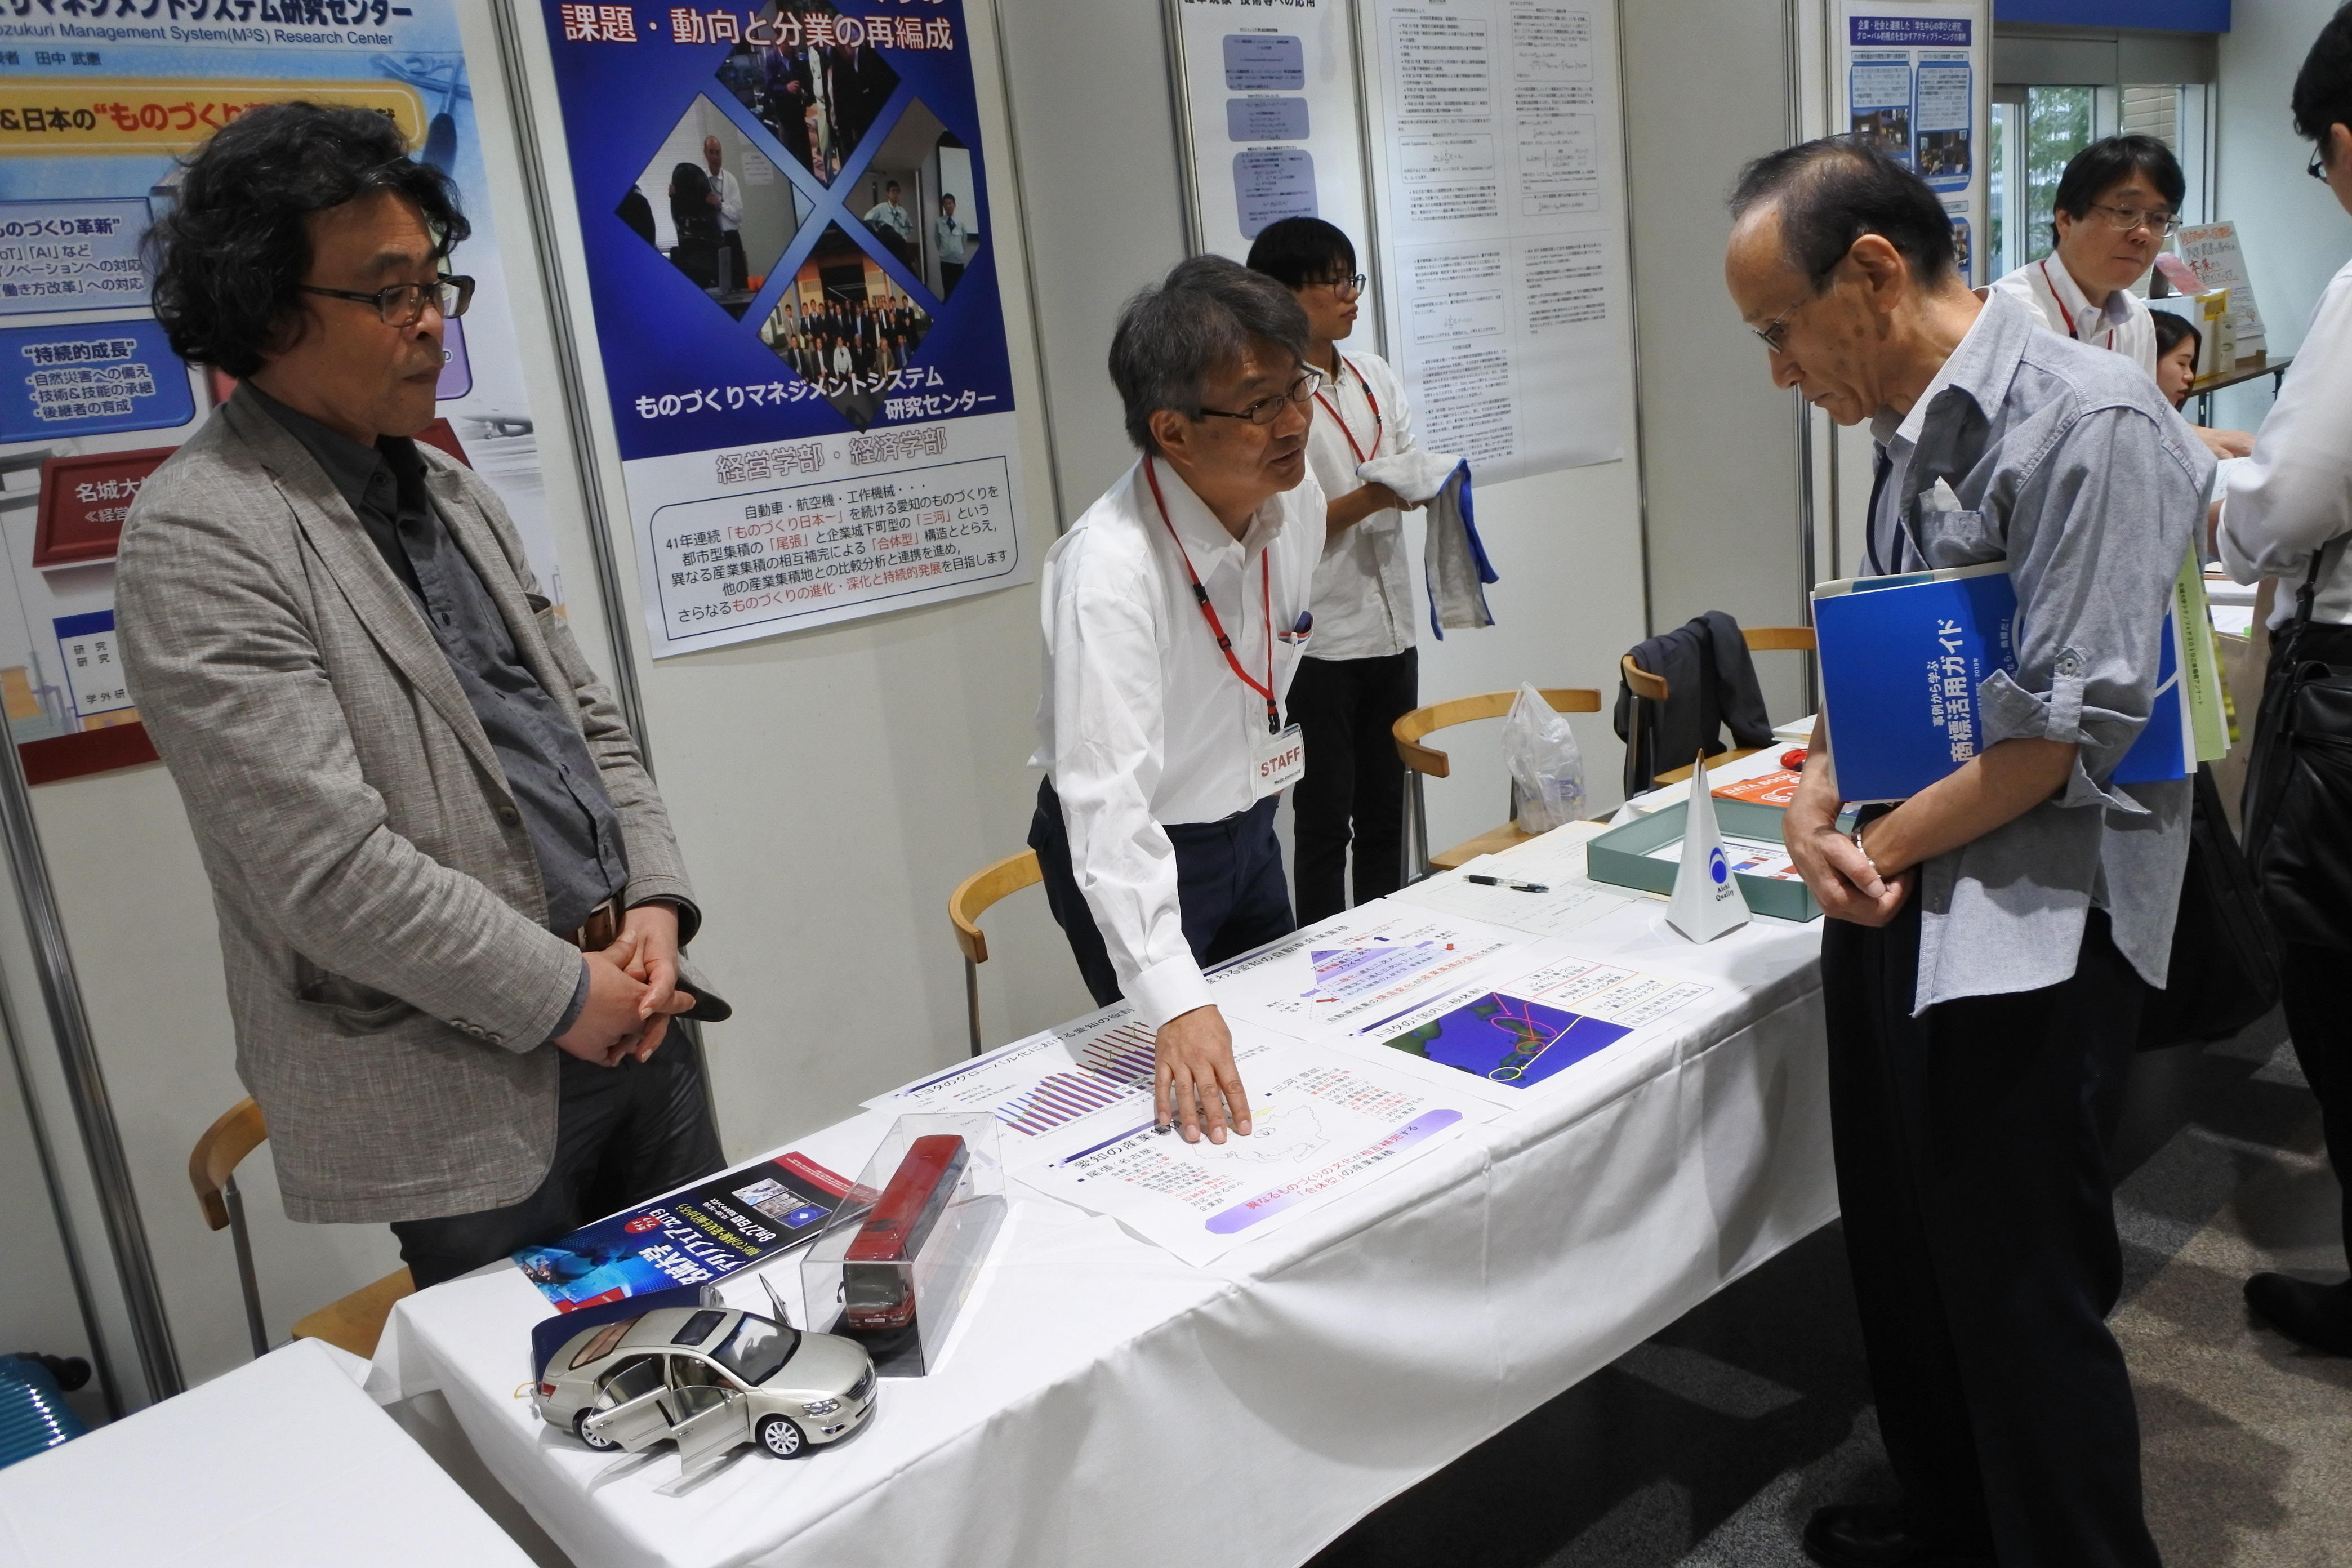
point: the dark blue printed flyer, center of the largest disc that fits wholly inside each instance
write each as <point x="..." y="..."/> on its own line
<point x="793" y="259"/>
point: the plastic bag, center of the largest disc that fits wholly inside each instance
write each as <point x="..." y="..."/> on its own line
<point x="1547" y="770"/>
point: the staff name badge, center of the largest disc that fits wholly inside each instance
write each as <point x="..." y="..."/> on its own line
<point x="1276" y="761"/>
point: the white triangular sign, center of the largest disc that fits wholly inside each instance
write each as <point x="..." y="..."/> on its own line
<point x="1707" y="900"/>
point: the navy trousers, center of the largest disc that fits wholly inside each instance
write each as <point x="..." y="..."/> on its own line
<point x="622" y="1134"/>
<point x="1971" y="1145"/>
<point x="1229" y="885"/>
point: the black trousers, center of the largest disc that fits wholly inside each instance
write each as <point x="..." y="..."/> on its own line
<point x="1228" y="884"/>
<point x="622" y="1134"/>
<point x="2317" y="998"/>
<point x="1979" y="1225"/>
<point x="1354" y="788"/>
<point x="734" y="271"/>
<point x="950" y="274"/>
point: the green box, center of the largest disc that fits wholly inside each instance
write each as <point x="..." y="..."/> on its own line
<point x="1621" y="856"/>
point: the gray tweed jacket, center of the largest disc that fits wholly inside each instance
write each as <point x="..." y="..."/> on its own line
<point x="382" y="921"/>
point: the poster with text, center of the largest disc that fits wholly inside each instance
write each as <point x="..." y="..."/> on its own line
<point x="1501" y="185"/>
<point x="1267" y="92"/>
<point x="791" y="257"/>
<point x="1912" y="85"/>
<point x="95" y="114"/>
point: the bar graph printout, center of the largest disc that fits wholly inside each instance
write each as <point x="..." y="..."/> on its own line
<point x="1078" y="1079"/>
<point x="1325" y="1127"/>
<point x="1335" y="977"/>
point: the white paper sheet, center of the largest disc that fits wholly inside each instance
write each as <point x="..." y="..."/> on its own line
<point x="1368" y="963"/>
<point x="1504" y="1040"/>
<point x="1567" y="902"/>
<point x="1325" y="1127"/>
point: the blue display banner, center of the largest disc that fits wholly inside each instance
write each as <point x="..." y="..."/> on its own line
<point x="840" y="311"/>
<point x="2152" y="15"/>
<point x="90" y="380"/>
<point x="78" y="255"/>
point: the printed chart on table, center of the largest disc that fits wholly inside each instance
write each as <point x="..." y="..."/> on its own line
<point x="1085" y="1081"/>
<point x="1324" y="1127"/>
<point x="1337" y="976"/>
<point x="1749" y="857"/>
<point x="1499" y="1041"/>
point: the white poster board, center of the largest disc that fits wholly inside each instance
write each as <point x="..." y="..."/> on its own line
<point x="2212" y="253"/>
<point x="1265" y="94"/>
<point x="1499" y="172"/>
<point x="1912" y="79"/>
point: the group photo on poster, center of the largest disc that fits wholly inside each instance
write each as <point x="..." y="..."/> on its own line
<point x="784" y="215"/>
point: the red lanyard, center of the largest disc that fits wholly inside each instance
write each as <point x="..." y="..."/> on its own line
<point x="1378" y="425"/>
<point x="1208" y="611"/>
<point x="2056" y="300"/>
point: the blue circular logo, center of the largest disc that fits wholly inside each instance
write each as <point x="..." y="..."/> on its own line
<point x="1717" y="867"/>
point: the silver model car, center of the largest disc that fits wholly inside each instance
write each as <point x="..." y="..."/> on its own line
<point x="712" y="1378"/>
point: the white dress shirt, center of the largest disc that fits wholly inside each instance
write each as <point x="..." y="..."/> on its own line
<point x="1363" y="586"/>
<point x="2124" y="323"/>
<point x="2293" y="496"/>
<point x="730" y="200"/>
<point x="1141" y="721"/>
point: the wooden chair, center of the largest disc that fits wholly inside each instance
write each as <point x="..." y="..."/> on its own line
<point x="1421" y="761"/>
<point x="353" y="1323"/>
<point x="1648" y="688"/>
<point x="974" y="895"/>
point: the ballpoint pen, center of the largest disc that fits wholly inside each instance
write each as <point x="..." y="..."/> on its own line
<point x="1507" y="882"/>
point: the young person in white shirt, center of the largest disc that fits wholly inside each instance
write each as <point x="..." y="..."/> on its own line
<point x="1175" y="612"/>
<point x="2287" y="513"/>
<point x="2117" y="202"/>
<point x="1365" y="673"/>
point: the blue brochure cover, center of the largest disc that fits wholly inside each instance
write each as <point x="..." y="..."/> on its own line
<point x="1902" y="659"/>
<point x="707" y="1231"/>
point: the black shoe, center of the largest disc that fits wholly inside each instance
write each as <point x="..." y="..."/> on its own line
<point x="2317" y="1317"/>
<point x="1863" y="1535"/>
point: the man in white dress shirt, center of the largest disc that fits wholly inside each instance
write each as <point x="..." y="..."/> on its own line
<point x="2287" y="513"/>
<point x="1175" y="614"/>
<point x="727" y="196"/>
<point x="2117" y="202"/>
<point x="1365" y="673"/>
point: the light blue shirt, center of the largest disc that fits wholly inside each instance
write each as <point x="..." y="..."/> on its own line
<point x="2066" y="460"/>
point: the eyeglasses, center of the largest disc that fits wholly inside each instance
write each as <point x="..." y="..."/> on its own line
<point x="2318" y="167"/>
<point x="1346" y="288"/>
<point x="403" y="304"/>
<point x="1771" y="330"/>
<point x="1268" y="409"/>
<point x="2125" y="219"/>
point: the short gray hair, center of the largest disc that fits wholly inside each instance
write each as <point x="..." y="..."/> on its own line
<point x="1201" y="316"/>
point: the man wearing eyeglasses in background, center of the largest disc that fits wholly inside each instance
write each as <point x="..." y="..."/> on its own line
<point x="1175" y="615"/>
<point x="450" y="903"/>
<point x="2118" y="203"/>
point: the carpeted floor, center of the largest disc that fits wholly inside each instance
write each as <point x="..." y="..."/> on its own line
<point x="1707" y="1446"/>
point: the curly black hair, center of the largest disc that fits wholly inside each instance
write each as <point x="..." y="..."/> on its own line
<point x="229" y="258"/>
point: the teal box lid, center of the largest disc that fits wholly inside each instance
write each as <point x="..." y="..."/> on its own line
<point x="1621" y="856"/>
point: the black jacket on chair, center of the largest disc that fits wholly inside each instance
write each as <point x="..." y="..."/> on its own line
<point x="1710" y="683"/>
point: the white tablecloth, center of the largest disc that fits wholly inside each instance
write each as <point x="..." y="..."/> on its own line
<point x="283" y="1461"/>
<point x="1101" y="1403"/>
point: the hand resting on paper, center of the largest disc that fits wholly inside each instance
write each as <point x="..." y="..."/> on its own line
<point x="1195" y="1083"/>
<point x="632" y="994"/>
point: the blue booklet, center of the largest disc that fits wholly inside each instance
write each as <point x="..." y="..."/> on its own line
<point x="1902" y="658"/>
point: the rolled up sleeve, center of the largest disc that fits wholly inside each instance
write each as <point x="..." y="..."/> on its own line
<point x="2097" y="537"/>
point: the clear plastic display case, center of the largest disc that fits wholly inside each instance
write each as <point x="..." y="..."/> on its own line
<point x="894" y="1265"/>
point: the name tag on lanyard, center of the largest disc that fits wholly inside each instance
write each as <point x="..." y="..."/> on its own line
<point x="1276" y="761"/>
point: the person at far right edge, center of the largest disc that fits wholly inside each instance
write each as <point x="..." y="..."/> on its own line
<point x="2287" y="514"/>
<point x="1991" y="941"/>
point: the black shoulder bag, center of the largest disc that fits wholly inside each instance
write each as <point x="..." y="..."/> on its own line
<point x="2298" y="801"/>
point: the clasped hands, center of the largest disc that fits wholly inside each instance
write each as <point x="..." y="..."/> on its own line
<point x="1843" y="880"/>
<point x="632" y="990"/>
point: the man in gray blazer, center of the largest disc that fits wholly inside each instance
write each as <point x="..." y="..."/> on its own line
<point x="450" y="903"/>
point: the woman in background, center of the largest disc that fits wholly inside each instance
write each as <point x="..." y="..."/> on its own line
<point x="2178" y="344"/>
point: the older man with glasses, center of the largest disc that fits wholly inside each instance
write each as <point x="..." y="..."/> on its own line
<point x="2117" y="203"/>
<point x="1991" y="941"/>
<point x="1175" y="612"/>
<point x="450" y="903"/>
